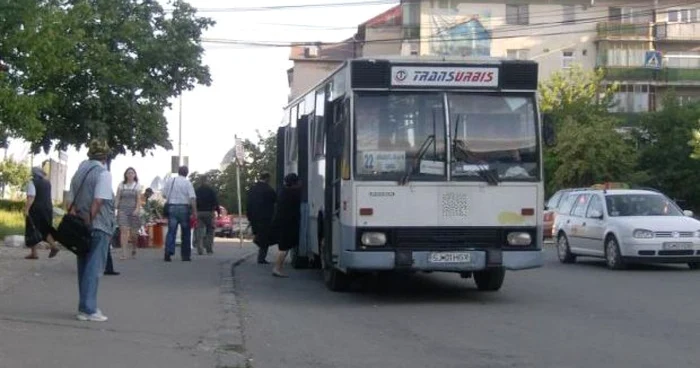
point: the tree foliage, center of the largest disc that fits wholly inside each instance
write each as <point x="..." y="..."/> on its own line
<point x="260" y="157"/>
<point x="80" y="69"/>
<point x="14" y="173"/>
<point x="588" y="148"/>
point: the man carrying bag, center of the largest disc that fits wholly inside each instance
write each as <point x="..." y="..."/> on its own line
<point x="90" y="224"/>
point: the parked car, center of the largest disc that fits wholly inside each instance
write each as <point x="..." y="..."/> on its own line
<point x="626" y="226"/>
<point x="551" y="208"/>
<point x="223" y="224"/>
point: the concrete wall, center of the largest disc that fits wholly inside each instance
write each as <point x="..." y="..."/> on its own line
<point x="307" y="73"/>
<point x="383" y="41"/>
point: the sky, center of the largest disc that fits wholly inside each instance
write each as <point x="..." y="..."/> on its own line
<point x="249" y="88"/>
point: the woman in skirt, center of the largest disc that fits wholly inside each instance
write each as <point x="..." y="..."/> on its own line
<point x="287" y="220"/>
<point x="128" y="205"/>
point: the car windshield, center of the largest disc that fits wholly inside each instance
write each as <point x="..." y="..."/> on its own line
<point x="398" y="133"/>
<point x="493" y="132"/>
<point x="621" y="205"/>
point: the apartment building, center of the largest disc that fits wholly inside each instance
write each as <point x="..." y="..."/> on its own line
<point x="647" y="47"/>
<point x="381" y="35"/>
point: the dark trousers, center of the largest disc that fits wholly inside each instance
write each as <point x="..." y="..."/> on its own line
<point x="110" y="265"/>
<point x="262" y="239"/>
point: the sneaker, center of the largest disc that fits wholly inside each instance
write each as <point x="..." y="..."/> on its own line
<point x="95" y="317"/>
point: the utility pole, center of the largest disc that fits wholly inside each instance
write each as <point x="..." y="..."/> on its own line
<point x="179" y="148"/>
<point x="239" y="162"/>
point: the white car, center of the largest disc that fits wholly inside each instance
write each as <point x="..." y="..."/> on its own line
<point x="626" y="226"/>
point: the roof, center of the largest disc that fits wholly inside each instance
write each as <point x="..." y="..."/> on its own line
<point x="340" y="51"/>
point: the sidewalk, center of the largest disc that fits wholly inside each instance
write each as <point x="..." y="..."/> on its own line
<point x="179" y="314"/>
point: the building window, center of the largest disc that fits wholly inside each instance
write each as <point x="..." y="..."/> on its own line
<point x="682" y="59"/>
<point x="683" y="15"/>
<point x="631" y="98"/>
<point x="517" y="14"/>
<point x="569" y="13"/>
<point x="626" y="55"/>
<point x="518" y="54"/>
<point x="567" y="59"/>
<point x="629" y="15"/>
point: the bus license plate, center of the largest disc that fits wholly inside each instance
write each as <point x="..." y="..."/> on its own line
<point x="450" y="257"/>
<point x="677" y="246"/>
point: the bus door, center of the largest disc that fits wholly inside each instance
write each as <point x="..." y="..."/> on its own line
<point x="303" y="167"/>
<point x="337" y="122"/>
<point x="281" y="159"/>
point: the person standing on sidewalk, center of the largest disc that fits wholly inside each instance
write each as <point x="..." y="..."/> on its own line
<point x="128" y="204"/>
<point x="208" y="206"/>
<point x="182" y="200"/>
<point x="92" y="198"/>
<point x="38" y="212"/>
<point x="260" y="211"/>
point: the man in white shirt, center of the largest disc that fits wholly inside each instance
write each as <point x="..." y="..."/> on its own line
<point x="182" y="203"/>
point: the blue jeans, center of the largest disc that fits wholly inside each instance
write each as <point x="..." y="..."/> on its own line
<point x="179" y="216"/>
<point x="90" y="268"/>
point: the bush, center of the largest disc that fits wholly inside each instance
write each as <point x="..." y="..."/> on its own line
<point x="11" y="206"/>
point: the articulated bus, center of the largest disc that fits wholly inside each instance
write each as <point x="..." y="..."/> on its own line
<point x="414" y="164"/>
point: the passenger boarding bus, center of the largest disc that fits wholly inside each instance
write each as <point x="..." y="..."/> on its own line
<point x="418" y="165"/>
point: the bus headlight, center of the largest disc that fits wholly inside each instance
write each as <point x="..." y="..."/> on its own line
<point x="519" y="239"/>
<point x="373" y="239"/>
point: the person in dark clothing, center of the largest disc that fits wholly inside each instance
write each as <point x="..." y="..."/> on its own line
<point x="287" y="220"/>
<point x="260" y="211"/>
<point x="38" y="212"/>
<point x="109" y="268"/>
<point x="208" y="207"/>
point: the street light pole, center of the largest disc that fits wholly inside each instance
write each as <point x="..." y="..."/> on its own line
<point x="179" y="148"/>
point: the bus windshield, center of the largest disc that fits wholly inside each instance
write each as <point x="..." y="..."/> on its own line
<point x="394" y="128"/>
<point x="495" y="133"/>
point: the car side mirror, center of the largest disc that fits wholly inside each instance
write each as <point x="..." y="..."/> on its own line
<point x="688" y="213"/>
<point x="596" y="214"/>
<point x="548" y="132"/>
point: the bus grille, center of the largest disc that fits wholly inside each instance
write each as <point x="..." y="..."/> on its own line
<point x="448" y="237"/>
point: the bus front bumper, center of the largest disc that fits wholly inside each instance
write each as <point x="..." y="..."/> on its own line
<point x="476" y="260"/>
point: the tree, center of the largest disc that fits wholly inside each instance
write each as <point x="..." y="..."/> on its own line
<point x="667" y="149"/>
<point x="13" y="174"/>
<point x="106" y="68"/>
<point x="588" y="148"/>
<point x="260" y="157"/>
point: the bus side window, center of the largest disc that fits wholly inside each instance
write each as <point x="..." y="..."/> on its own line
<point x="347" y="137"/>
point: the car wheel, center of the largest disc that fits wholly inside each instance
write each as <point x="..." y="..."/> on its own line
<point x="564" y="251"/>
<point x="490" y="280"/>
<point x="694" y="265"/>
<point x="613" y="258"/>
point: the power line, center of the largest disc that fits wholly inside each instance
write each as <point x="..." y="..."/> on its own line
<point x="293" y="7"/>
<point x="438" y="38"/>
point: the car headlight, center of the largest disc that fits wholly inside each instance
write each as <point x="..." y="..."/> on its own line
<point x="519" y="238"/>
<point x="697" y="234"/>
<point x="643" y="234"/>
<point x="373" y="239"/>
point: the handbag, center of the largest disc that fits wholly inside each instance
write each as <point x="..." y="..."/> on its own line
<point x="73" y="232"/>
<point x="32" y="235"/>
<point x="166" y="206"/>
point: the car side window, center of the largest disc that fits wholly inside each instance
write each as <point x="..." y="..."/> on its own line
<point x="595" y="205"/>
<point x="566" y="203"/>
<point x="554" y="201"/>
<point x="580" y="206"/>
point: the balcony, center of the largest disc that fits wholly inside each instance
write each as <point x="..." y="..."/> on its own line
<point x="665" y="75"/>
<point x="682" y="32"/>
<point x="616" y="31"/>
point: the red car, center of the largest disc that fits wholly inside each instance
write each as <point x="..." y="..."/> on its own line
<point x="223" y="224"/>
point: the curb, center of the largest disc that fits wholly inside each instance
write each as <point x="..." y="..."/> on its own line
<point x="231" y="352"/>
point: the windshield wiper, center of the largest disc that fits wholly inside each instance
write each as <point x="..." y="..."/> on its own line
<point x="484" y="172"/>
<point x="416" y="162"/>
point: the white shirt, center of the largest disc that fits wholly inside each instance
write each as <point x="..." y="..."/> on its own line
<point x="103" y="187"/>
<point x="178" y="190"/>
<point x="31" y="189"/>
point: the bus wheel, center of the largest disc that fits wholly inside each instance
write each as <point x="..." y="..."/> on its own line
<point x="490" y="280"/>
<point x="298" y="262"/>
<point x="334" y="279"/>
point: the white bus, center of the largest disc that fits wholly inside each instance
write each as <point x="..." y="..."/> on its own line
<point x="418" y="165"/>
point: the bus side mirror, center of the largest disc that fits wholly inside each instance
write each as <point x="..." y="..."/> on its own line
<point x="548" y="132"/>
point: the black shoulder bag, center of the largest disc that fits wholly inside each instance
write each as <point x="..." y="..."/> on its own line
<point x="166" y="206"/>
<point x="73" y="232"/>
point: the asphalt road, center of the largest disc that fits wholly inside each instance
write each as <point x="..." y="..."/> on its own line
<point x="559" y="316"/>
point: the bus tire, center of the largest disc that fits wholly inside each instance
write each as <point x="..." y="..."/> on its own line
<point x="298" y="262"/>
<point x="490" y="280"/>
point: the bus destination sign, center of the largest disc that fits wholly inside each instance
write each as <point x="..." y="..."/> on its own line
<point x="444" y="76"/>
